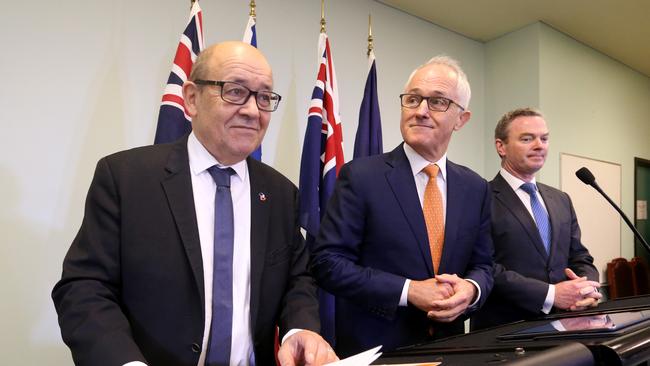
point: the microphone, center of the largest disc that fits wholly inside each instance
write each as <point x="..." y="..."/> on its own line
<point x="588" y="178"/>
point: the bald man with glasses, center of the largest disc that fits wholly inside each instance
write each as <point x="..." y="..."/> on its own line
<point x="190" y="253"/>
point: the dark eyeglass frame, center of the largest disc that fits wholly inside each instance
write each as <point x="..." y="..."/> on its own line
<point x="428" y="99"/>
<point x="221" y="83"/>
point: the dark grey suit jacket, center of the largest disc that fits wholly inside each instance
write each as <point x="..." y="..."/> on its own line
<point x="132" y="285"/>
<point x="523" y="269"/>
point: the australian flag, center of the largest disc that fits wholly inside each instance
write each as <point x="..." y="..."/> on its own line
<point x="368" y="140"/>
<point x="250" y="37"/>
<point x="173" y="121"/>
<point x="322" y="158"/>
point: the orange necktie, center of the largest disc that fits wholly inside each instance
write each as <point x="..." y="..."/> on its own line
<point x="433" y="216"/>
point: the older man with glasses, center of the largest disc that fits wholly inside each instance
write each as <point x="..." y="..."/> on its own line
<point x="190" y="253"/>
<point x="405" y="242"/>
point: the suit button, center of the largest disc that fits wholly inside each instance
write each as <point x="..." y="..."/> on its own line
<point x="431" y="331"/>
<point x="196" y="348"/>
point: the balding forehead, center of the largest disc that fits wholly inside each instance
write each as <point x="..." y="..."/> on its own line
<point x="223" y="55"/>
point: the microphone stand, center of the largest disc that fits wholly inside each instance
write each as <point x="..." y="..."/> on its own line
<point x="627" y="221"/>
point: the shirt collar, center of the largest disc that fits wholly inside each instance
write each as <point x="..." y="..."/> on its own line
<point x="201" y="159"/>
<point x="513" y="181"/>
<point x="418" y="163"/>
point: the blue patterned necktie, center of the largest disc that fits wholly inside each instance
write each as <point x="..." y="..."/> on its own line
<point x="221" y="326"/>
<point x="540" y="214"/>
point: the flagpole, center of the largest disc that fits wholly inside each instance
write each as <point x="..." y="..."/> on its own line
<point x="370" y="47"/>
<point x="192" y="3"/>
<point x="252" y="12"/>
<point x="322" y="16"/>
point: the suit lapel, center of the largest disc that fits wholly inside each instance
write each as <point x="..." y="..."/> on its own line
<point x="178" y="189"/>
<point x="401" y="181"/>
<point x="259" y="228"/>
<point x="504" y="194"/>
<point x="455" y="196"/>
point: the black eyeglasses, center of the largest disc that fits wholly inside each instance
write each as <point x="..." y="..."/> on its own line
<point x="238" y="94"/>
<point x="436" y="104"/>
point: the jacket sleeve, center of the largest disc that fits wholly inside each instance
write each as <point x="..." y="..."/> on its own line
<point x="525" y="292"/>
<point x="300" y="308"/>
<point x="480" y="268"/>
<point x="87" y="298"/>
<point x="337" y="252"/>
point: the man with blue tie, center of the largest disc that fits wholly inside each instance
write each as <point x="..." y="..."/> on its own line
<point x="405" y="245"/>
<point x="190" y="253"/>
<point x="540" y="262"/>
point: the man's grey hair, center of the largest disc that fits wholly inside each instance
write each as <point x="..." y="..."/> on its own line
<point x="462" y="88"/>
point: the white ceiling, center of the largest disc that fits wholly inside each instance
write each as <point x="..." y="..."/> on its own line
<point x="617" y="28"/>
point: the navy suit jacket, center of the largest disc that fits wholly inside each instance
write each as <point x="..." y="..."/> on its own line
<point x="132" y="286"/>
<point x="373" y="237"/>
<point x="523" y="269"/>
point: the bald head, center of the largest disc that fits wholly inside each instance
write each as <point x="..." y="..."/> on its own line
<point x="230" y="131"/>
<point x="215" y="57"/>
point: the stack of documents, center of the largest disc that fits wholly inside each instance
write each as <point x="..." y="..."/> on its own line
<point x="367" y="357"/>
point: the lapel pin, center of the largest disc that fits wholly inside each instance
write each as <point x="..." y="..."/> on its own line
<point x="262" y="196"/>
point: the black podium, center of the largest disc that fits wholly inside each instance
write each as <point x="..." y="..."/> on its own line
<point x="504" y="345"/>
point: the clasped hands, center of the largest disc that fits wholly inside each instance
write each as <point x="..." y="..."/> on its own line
<point x="443" y="298"/>
<point x="576" y="293"/>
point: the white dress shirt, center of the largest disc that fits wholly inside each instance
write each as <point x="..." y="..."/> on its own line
<point x="418" y="163"/>
<point x="515" y="183"/>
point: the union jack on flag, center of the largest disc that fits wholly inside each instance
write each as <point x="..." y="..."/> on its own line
<point x="322" y="158"/>
<point x="173" y="121"/>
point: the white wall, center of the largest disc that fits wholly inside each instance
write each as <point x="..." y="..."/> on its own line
<point x="511" y="81"/>
<point x="595" y="106"/>
<point x="82" y="79"/>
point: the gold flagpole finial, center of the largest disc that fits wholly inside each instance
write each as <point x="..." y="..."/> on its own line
<point x="252" y="6"/>
<point x="322" y="16"/>
<point x="370" y="47"/>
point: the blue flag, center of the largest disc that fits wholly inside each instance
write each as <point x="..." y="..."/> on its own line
<point x="173" y="122"/>
<point x="322" y="158"/>
<point x="368" y="140"/>
<point x="250" y="37"/>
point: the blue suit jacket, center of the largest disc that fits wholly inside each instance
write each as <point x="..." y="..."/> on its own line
<point x="373" y="237"/>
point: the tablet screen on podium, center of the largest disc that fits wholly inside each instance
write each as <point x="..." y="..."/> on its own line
<point x="582" y="325"/>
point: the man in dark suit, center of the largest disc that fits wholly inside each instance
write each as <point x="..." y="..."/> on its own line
<point x="137" y="284"/>
<point x="540" y="262"/>
<point x="400" y="275"/>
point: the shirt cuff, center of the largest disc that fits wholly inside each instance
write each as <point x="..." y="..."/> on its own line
<point x="550" y="297"/>
<point x="404" y="297"/>
<point x="290" y="333"/>
<point x="135" y="363"/>
<point x="478" y="292"/>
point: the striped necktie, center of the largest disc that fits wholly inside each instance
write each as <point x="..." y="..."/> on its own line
<point x="540" y="214"/>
